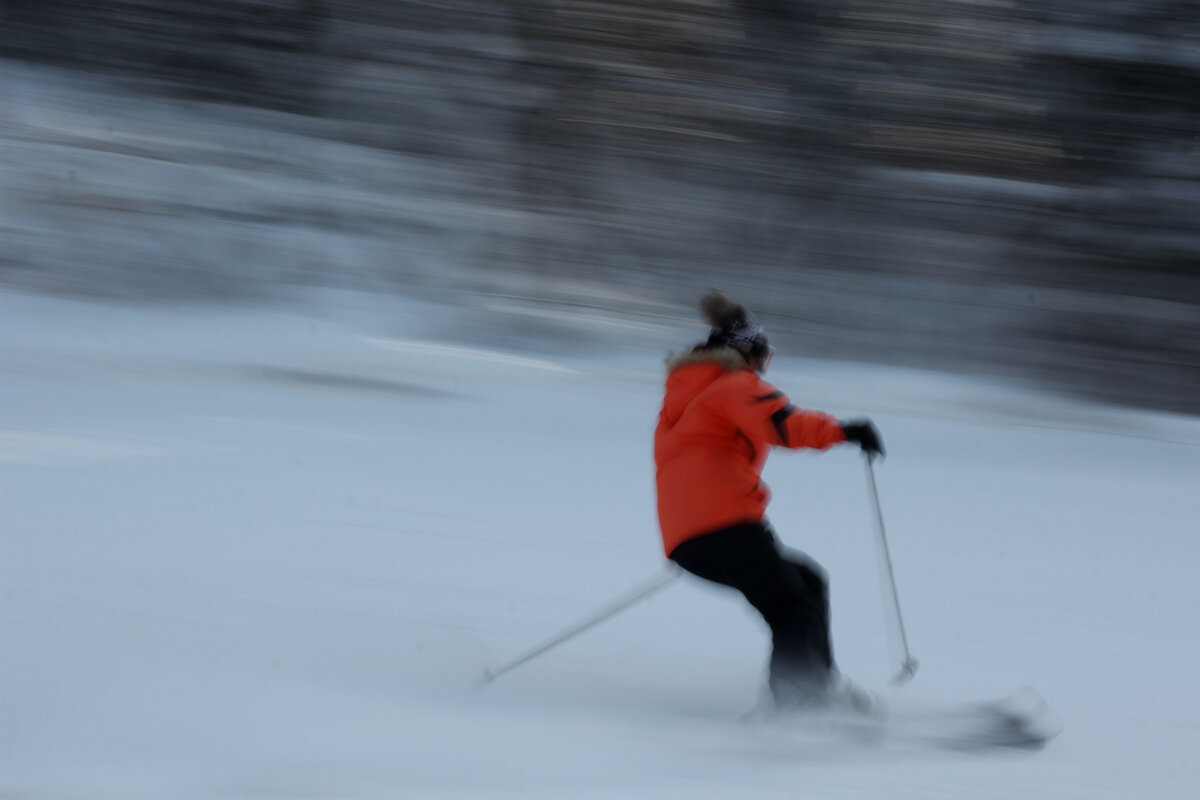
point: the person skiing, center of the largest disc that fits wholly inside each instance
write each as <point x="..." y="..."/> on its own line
<point x="718" y="421"/>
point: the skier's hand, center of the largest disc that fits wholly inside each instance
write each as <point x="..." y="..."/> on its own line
<point x="864" y="433"/>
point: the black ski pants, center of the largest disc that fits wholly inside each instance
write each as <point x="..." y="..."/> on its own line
<point x="789" y="589"/>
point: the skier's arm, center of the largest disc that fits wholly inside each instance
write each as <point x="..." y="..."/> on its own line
<point x="765" y="414"/>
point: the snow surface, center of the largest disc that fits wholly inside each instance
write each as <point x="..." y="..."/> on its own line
<point x="269" y="552"/>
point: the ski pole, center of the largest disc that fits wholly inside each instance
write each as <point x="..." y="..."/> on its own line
<point x="635" y="595"/>
<point x="909" y="668"/>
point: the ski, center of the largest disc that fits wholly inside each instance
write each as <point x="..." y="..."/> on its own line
<point x="1021" y="721"/>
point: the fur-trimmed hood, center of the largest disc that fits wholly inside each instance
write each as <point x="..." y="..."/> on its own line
<point x="691" y="373"/>
<point x="726" y="357"/>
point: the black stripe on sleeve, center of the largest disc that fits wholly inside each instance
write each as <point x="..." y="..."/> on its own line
<point x="762" y="398"/>
<point x="780" y="419"/>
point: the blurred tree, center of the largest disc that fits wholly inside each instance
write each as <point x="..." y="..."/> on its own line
<point x="253" y="51"/>
<point x="1012" y="185"/>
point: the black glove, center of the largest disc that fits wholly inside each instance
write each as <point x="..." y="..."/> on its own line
<point x="863" y="433"/>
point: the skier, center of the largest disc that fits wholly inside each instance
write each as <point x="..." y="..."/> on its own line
<point x="718" y="421"/>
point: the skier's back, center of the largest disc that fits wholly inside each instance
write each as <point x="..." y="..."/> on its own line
<point x="718" y="422"/>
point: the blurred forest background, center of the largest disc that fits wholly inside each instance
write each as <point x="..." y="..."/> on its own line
<point x="1002" y="186"/>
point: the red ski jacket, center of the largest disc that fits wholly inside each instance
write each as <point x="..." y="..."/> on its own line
<point x="718" y="421"/>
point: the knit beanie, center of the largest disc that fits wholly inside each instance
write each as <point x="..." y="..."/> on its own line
<point x="733" y="326"/>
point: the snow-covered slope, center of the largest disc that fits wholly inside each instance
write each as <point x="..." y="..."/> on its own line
<point x="269" y="553"/>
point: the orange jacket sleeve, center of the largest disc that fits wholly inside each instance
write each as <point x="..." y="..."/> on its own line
<point x="764" y="414"/>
